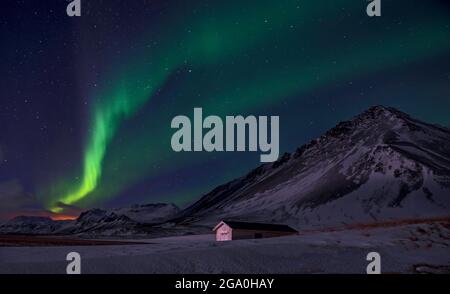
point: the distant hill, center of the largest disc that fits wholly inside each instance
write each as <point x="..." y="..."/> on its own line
<point x="121" y="221"/>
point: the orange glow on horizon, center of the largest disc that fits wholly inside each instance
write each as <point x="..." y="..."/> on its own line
<point x="60" y="217"/>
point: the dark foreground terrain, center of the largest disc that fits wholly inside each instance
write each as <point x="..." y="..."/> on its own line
<point x="409" y="246"/>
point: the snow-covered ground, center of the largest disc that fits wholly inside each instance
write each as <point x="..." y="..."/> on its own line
<point x="405" y="249"/>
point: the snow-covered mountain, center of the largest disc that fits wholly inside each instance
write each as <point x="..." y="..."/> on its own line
<point x="31" y="225"/>
<point x="380" y="165"/>
<point x="136" y="219"/>
<point x="149" y="213"/>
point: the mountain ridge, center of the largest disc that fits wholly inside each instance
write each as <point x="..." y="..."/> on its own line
<point x="381" y="165"/>
<point x="135" y="219"/>
<point x="388" y="136"/>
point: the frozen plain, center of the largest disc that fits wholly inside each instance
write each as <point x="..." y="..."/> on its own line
<point x="419" y="248"/>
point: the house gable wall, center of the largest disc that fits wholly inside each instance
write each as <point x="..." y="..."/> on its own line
<point x="224" y="233"/>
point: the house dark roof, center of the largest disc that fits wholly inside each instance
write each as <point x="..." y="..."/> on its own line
<point x="259" y="226"/>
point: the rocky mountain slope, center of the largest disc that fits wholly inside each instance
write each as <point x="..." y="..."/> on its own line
<point x="382" y="164"/>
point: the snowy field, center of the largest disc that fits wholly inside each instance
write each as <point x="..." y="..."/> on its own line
<point x="406" y="249"/>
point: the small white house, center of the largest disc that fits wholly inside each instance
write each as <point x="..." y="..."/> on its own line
<point x="233" y="230"/>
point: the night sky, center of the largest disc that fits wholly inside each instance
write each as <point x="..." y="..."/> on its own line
<point x="86" y="102"/>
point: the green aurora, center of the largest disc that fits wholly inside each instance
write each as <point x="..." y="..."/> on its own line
<point x="268" y="53"/>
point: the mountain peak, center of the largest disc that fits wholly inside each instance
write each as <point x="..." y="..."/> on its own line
<point x="376" y="120"/>
<point x="380" y="107"/>
<point x="381" y="111"/>
<point x="377" y="108"/>
<point x="381" y="164"/>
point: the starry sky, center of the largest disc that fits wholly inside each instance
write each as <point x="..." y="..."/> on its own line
<point x="86" y="102"/>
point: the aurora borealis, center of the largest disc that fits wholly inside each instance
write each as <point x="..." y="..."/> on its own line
<point x="87" y="102"/>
